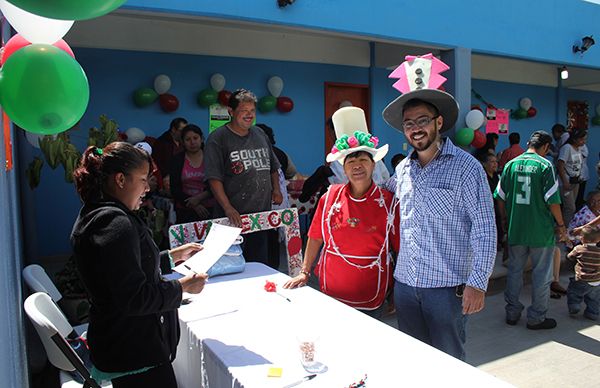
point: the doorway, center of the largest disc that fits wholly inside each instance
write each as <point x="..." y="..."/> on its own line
<point x="342" y="93"/>
<point x="577" y="115"/>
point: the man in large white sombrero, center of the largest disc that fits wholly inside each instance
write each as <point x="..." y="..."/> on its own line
<point x="352" y="222"/>
<point x="447" y="227"/>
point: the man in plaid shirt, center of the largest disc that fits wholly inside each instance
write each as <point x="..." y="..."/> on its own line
<point x="447" y="224"/>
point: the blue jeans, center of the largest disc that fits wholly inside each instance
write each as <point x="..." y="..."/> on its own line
<point x="580" y="291"/>
<point x="433" y="316"/>
<point x="541" y="277"/>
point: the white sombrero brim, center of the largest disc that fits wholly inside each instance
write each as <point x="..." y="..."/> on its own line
<point x="377" y="153"/>
<point x="444" y="102"/>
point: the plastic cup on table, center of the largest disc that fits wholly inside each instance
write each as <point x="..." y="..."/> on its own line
<point x="308" y="347"/>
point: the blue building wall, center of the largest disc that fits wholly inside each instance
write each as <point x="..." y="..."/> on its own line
<point x="507" y="95"/>
<point x="114" y="75"/>
<point x="542" y="30"/>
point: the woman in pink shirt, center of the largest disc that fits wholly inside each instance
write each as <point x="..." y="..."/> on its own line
<point x="193" y="199"/>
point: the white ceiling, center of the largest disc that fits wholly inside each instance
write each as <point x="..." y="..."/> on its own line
<point x="188" y="34"/>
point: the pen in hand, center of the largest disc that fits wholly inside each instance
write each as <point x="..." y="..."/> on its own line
<point x="194" y="272"/>
<point x="189" y="268"/>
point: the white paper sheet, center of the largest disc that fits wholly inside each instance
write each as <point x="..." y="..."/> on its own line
<point x="218" y="241"/>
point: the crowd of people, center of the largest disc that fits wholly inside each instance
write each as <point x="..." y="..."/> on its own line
<point x="545" y="183"/>
<point x="427" y="237"/>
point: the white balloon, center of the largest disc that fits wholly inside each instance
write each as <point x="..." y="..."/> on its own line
<point x="135" y="135"/>
<point x="162" y="84"/>
<point x="525" y="103"/>
<point x="598" y="109"/>
<point x="34" y="28"/>
<point x="275" y="86"/>
<point x="475" y="119"/>
<point x="217" y="82"/>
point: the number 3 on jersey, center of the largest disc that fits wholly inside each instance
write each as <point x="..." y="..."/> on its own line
<point x="524" y="199"/>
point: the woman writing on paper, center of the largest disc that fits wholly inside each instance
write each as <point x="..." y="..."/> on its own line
<point x="134" y="329"/>
<point x="353" y="222"/>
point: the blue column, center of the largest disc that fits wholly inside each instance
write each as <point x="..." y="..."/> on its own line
<point x="371" y="84"/>
<point x="459" y="80"/>
<point x="561" y="101"/>
<point x="13" y="362"/>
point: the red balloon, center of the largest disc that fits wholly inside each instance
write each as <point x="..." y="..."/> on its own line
<point x="224" y="97"/>
<point x="168" y="102"/>
<point x="285" y="104"/>
<point x="479" y="140"/>
<point x="531" y="112"/>
<point x="18" y="42"/>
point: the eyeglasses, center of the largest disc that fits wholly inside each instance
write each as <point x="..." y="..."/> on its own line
<point x="420" y="122"/>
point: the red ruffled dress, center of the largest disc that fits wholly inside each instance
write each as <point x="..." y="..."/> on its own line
<point x="354" y="266"/>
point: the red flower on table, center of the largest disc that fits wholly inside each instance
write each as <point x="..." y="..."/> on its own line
<point x="270" y="286"/>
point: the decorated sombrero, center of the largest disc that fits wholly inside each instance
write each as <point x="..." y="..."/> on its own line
<point x="419" y="78"/>
<point x="353" y="135"/>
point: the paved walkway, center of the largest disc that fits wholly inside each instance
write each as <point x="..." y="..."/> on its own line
<point x="567" y="356"/>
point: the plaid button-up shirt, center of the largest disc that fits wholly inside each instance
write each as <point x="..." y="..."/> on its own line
<point x="447" y="224"/>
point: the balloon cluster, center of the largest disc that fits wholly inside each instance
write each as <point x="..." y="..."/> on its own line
<point x="525" y="109"/>
<point x="596" y="119"/>
<point x="471" y="134"/>
<point x="42" y="87"/>
<point x="162" y="84"/>
<point x="216" y="92"/>
<point x="267" y="103"/>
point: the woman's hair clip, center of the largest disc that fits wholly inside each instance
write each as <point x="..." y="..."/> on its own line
<point x="98" y="151"/>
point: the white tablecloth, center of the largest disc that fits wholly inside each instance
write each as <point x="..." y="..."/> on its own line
<point x="234" y="331"/>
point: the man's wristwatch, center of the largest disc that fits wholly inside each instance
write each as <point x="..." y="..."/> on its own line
<point x="307" y="273"/>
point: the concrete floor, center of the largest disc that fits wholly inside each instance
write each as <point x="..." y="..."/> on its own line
<point x="567" y="356"/>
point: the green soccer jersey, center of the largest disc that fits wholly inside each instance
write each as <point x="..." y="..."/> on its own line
<point x="528" y="185"/>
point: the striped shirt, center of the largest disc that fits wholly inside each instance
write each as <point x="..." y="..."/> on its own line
<point x="587" y="268"/>
<point x="447" y="224"/>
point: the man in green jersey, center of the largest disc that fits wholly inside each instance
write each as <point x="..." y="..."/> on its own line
<point x="529" y="204"/>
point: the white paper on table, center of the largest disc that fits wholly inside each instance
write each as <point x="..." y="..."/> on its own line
<point x="218" y="241"/>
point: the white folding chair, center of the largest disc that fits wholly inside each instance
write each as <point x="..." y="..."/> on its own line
<point x="52" y="327"/>
<point x="38" y="280"/>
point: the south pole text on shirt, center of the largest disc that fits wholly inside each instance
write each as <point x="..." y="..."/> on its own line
<point x="257" y="158"/>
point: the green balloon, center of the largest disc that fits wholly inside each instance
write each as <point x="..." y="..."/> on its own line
<point x="596" y="120"/>
<point x="207" y="97"/>
<point x="144" y="96"/>
<point x="521" y="113"/>
<point x="68" y="9"/>
<point x="267" y="104"/>
<point x="464" y="136"/>
<point x="43" y="89"/>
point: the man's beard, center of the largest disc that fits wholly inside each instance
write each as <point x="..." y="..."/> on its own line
<point x="429" y="140"/>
